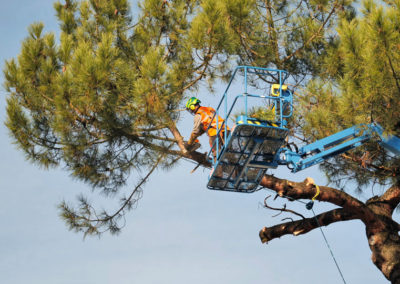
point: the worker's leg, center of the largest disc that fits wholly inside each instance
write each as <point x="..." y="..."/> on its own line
<point x="216" y="147"/>
<point x="222" y="136"/>
<point x="227" y="156"/>
<point x="213" y="147"/>
<point x="219" y="171"/>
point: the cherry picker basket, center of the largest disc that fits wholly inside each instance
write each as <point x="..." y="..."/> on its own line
<point x="252" y="144"/>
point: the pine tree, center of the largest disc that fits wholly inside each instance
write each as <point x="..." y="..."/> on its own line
<point x="104" y="101"/>
<point x="360" y="85"/>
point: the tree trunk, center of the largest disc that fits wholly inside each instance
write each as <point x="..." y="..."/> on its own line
<point x="385" y="247"/>
<point x="376" y="213"/>
<point x="384" y="241"/>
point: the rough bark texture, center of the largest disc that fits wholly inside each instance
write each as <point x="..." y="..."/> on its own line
<point x="385" y="247"/>
<point x="381" y="230"/>
<point x="305" y="225"/>
<point x="385" y="242"/>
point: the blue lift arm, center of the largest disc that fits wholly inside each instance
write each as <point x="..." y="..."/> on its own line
<point x="336" y="144"/>
<point x="252" y="146"/>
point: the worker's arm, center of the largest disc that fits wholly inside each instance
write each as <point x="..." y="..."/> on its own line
<point x="197" y="129"/>
<point x="193" y="139"/>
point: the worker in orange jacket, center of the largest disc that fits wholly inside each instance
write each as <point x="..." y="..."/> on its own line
<point x="205" y="120"/>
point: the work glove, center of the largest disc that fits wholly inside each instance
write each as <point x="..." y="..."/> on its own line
<point x="193" y="138"/>
<point x="192" y="147"/>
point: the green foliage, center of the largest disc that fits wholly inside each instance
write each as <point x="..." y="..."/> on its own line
<point x="363" y="66"/>
<point x="289" y="35"/>
<point x="260" y="113"/>
<point x="102" y="102"/>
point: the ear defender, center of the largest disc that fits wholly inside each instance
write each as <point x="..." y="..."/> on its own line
<point x="192" y="103"/>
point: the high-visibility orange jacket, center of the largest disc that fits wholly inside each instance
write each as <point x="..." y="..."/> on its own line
<point x="207" y="114"/>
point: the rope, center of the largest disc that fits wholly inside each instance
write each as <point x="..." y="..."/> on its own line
<point x="319" y="225"/>
<point x="316" y="194"/>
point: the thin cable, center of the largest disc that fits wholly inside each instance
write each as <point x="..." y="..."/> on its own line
<point x="319" y="226"/>
<point x="329" y="247"/>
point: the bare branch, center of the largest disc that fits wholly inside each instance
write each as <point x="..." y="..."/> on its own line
<point x="178" y="137"/>
<point x="281" y="209"/>
<point x="391" y="197"/>
<point x="135" y="190"/>
<point x="306" y="225"/>
<point x="300" y="190"/>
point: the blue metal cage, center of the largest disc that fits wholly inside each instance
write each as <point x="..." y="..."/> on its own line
<point x="251" y="146"/>
<point x="254" y="145"/>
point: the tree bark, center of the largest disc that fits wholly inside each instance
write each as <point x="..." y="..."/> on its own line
<point x="385" y="247"/>
<point x="376" y="213"/>
<point x="304" y="226"/>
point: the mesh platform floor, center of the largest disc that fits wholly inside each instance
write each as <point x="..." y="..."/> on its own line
<point x="250" y="151"/>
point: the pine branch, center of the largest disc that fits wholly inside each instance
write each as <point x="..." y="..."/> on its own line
<point x="381" y="170"/>
<point x="249" y="51"/>
<point x="195" y="156"/>
<point x="289" y="15"/>
<point x="88" y="221"/>
<point x="155" y="137"/>
<point x="304" y="226"/>
<point x="391" y="197"/>
<point x="287" y="58"/>
<point x="135" y="190"/>
<point x="303" y="190"/>
<point x="202" y="73"/>
<point x="272" y="32"/>
<point x="150" y="129"/>
<point x="178" y="137"/>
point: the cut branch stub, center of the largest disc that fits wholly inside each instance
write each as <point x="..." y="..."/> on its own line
<point x="306" y="190"/>
<point x="306" y="225"/>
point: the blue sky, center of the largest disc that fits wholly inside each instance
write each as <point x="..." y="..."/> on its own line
<point x="180" y="233"/>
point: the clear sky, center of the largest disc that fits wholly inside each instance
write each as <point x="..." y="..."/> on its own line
<point x="180" y="233"/>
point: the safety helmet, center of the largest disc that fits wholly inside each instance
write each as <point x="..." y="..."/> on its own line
<point x="191" y="103"/>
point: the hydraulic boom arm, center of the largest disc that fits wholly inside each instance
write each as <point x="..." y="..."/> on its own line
<point x="336" y="144"/>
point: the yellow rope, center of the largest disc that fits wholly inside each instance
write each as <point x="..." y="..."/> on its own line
<point x="318" y="191"/>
